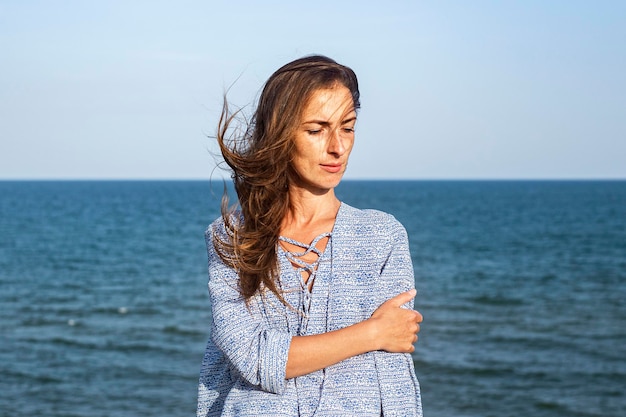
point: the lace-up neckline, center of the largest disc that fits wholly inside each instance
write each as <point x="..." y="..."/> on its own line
<point x="301" y="267"/>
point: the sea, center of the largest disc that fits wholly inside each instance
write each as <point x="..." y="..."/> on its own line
<point x="104" y="308"/>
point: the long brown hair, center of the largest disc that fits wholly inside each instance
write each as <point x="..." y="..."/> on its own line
<point x="259" y="155"/>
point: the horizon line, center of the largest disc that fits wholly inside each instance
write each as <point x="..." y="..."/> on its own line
<point x="137" y="179"/>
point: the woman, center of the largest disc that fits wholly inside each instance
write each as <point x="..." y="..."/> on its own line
<point x="311" y="298"/>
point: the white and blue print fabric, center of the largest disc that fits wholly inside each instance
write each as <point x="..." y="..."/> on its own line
<point x="366" y="262"/>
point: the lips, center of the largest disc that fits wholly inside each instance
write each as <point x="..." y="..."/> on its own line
<point x="333" y="168"/>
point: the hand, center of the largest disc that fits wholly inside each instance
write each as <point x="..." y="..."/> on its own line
<point x="396" y="327"/>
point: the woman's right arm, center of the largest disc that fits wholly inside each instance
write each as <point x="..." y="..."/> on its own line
<point x="267" y="357"/>
<point x="390" y="328"/>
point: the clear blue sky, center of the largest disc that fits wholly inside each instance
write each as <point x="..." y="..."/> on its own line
<point x="450" y="89"/>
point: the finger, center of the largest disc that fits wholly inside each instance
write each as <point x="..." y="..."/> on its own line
<point x="419" y="318"/>
<point x="403" y="298"/>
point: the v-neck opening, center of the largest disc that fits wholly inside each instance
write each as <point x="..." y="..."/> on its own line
<point x="299" y="265"/>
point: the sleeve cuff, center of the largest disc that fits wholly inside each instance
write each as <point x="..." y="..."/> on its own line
<point x="273" y="356"/>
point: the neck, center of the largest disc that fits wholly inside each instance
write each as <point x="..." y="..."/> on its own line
<point x="310" y="213"/>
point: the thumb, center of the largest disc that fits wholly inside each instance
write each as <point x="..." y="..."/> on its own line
<point x="403" y="298"/>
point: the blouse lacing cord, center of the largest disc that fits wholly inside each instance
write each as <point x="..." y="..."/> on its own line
<point x="300" y="267"/>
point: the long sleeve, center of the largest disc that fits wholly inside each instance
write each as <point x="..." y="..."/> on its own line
<point x="397" y="271"/>
<point x="257" y="353"/>
<point x="243" y="373"/>
<point x="400" y="396"/>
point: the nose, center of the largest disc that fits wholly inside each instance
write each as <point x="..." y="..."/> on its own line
<point x="336" y="145"/>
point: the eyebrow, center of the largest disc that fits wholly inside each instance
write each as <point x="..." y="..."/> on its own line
<point x="326" y="123"/>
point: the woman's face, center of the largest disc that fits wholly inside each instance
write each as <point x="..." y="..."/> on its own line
<point x="324" y="139"/>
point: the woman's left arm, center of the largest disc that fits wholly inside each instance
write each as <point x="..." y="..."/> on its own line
<point x="400" y="391"/>
<point x="397" y="275"/>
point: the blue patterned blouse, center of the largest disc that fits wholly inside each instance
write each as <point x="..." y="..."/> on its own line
<point x="365" y="263"/>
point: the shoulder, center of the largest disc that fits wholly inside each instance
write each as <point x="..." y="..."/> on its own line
<point x="219" y="234"/>
<point x="371" y="228"/>
<point x="371" y="219"/>
<point x="218" y="227"/>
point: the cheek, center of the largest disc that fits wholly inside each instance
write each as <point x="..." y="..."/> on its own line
<point x="304" y="157"/>
<point x="349" y="147"/>
<point x="312" y="151"/>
